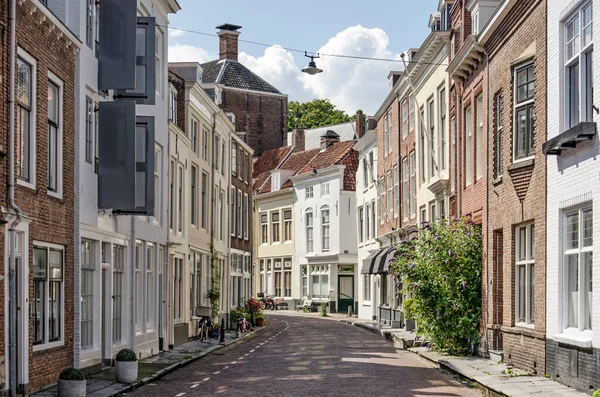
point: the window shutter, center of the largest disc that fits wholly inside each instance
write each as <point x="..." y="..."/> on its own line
<point x="116" y="168"/>
<point x="117" y="36"/>
<point x="144" y="92"/>
<point x="144" y="165"/>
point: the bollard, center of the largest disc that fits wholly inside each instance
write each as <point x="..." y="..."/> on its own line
<point x="237" y="330"/>
<point x="222" y="332"/>
<point x="349" y="311"/>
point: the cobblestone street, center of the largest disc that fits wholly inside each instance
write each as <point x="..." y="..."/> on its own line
<point x="305" y="356"/>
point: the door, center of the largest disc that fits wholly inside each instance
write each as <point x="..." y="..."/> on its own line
<point x="345" y="293"/>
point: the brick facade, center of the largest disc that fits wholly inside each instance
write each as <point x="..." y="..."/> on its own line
<point x="51" y="219"/>
<point x="244" y="185"/>
<point x="408" y="145"/>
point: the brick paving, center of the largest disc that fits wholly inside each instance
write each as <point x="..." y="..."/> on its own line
<point x="299" y="355"/>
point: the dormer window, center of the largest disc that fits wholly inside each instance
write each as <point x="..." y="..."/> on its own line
<point x="475" y="23"/>
<point x="275" y="181"/>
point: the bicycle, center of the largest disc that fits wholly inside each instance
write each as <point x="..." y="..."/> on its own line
<point x="245" y="325"/>
<point x="266" y="302"/>
<point x="205" y="324"/>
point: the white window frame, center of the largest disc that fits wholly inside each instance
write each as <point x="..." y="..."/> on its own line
<point x="396" y="180"/>
<point x="87" y="265"/>
<point x="246" y="217"/>
<point x="310" y="230"/>
<point x="173" y="105"/>
<point x="264" y="228"/>
<point x="382" y="209"/>
<point x="479" y="137"/>
<point x="386" y="137"/>
<point x="158" y="49"/>
<point x="583" y="279"/>
<point x="308" y="192"/>
<point x="367" y="207"/>
<point x="150" y="281"/>
<point x="582" y="52"/>
<point x="324" y="189"/>
<point x="58" y="193"/>
<point x="404" y="119"/>
<point x="275" y="218"/>
<point x="430" y="141"/>
<point x="405" y="189"/>
<point x="325" y="228"/>
<point x="287" y="225"/>
<point x="157" y="218"/>
<point x="366" y="289"/>
<point x="468" y="145"/>
<point x="233" y="197"/>
<point x="524" y="104"/>
<point x="240" y="226"/>
<point x="31" y="183"/>
<point x="412" y="184"/>
<point x="528" y="262"/>
<point x="389" y="186"/>
<point x="498" y="166"/>
<point x="443" y="117"/>
<point x="361" y="224"/>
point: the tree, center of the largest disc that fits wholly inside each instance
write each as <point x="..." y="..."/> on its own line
<point x="313" y="114"/>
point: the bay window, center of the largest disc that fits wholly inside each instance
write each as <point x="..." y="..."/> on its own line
<point x="320" y="281"/>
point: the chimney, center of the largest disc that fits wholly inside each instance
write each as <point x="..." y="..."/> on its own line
<point x="371" y="123"/>
<point x="228" y="41"/>
<point x="360" y="124"/>
<point x="328" y="139"/>
<point x="297" y="140"/>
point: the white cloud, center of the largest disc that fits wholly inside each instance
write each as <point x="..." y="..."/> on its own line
<point x="350" y="84"/>
<point x="188" y="53"/>
<point x="175" y="33"/>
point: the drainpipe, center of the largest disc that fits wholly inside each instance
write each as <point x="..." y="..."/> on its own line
<point x="12" y="231"/>
<point x="487" y="206"/>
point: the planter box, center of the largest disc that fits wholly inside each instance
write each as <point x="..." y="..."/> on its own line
<point x="126" y="371"/>
<point x="71" y="388"/>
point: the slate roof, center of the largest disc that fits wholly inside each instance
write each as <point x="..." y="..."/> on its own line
<point x="233" y="74"/>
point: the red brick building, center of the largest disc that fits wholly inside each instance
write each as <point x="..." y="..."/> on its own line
<point x="44" y="178"/>
<point x="258" y="110"/>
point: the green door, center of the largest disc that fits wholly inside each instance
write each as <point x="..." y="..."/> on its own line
<point x="345" y="293"/>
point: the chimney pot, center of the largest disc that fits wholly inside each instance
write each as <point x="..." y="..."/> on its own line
<point x="360" y="124"/>
<point x="228" y="41"/>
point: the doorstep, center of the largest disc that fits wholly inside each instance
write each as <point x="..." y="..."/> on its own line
<point x="497" y="377"/>
<point x="104" y="384"/>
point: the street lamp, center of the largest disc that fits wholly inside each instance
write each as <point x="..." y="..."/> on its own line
<point x="312" y="68"/>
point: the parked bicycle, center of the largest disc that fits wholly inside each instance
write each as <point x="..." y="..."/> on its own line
<point x="245" y="325"/>
<point x="266" y="302"/>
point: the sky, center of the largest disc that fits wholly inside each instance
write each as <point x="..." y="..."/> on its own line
<point x="381" y="29"/>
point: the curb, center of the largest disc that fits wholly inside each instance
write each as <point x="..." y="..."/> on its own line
<point x="167" y="370"/>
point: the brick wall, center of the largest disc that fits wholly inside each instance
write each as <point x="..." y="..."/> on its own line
<point x="53" y="219"/>
<point x="408" y="145"/>
<point x="573" y="366"/>
<point x="4" y="46"/>
<point x="237" y="242"/>
<point x="262" y="116"/>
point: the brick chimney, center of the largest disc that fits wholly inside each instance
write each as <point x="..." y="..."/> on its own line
<point x="328" y="139"/>
<point x="228" y="41"/>
<point x="298" y="140"/>
<point x="360" y="124"/>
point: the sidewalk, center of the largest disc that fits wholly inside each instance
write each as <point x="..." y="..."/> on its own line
<point x="494" y="378"/>
<point x="104" y="384"/>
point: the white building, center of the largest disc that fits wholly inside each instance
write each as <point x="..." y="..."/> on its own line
<point x="326" y="249"/>
<point x="119" y="255"/>
<point x="366" y="212"/>
<point x="573" y="149"/>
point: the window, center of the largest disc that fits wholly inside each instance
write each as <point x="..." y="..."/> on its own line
<point x="264" y="228"/>
<point x="365" y="174"/>
<point x="87" y="294"/>
<point x="89" y="129"/>
<point x="361" y="225"/>
<point x="578" y="268"/>
<point x="157" y="63"/>
<point x="204" y="145"/>
<point x="287" y="225"/>
<point x="479" y="138"/>
<point x="404" y="119"/>
<point x="453" y="155"/>
<point x="178" y="288"/>
<point x="240" y="215"/>
<point x="309" y="231"/>
<point x="194" y="196"/>
<point x="216" y="147"/>
<point x="172" y="195"/>
<point x="525" y="274"/>
<point x="432" y="211"/>
<point x="405" y="189"/>
<point x="275" y="181"/>
<point x="117" y="295"/>
<point x="422" y="147"/>
<point x="240" y="163"/>
<point x="232" y="210"/>
<point x="194" y="137"/>
<point x="386" y="136"/>
<point x="308" y="192"/>
<point x="443" y="138"/>
<point x="382" y="209"/>
<point x="150" y="287"/>
<point x="475" y="23"/>
<point x="320" y="281"/>
<point x="54" y="137"/>
<point x="578" y="67"/>
<point x="287" y="278"/>
<point x="423" y="211"/>
<point x="304" y="274"/>
<point x="89" y="23"/>
<point x="325" y="228"/>
<point x="468" y="147"/>
<point x="389" y="183"/>
<point x="413" y="185"/>
<point x="139" y="313"/>
<point x="390" y="132"/>
<point x="180" y="201"/>
<point x="431" y="138"/>
<point x="498" y="146"/>
<point x="24" y="141"/>
<point x="373" y="222"/>
<point x="371" y="165"/>
<point x="204" y="200"/>
<point x="247" y="216"/>
<point x="221" y="213"/>
<point x="196" y="290"/>
<point x="233" y="158"/>
<point x="157" y="186"/>
<point x="173" y="106"/>
<point x="247" y="167"/>
<point x="324" y="189"/>
<point x="366" y="288"/>
<point x="223" y="158"/>
<point x="524" y="102"/>
<point x="411" y="113"/>
<point x="275" y="227"/>
<point x="396" y="177"/>
<point x="367" y="222"/>
<point x="48" y="306"/>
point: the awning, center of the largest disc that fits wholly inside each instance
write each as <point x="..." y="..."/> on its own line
<point x="378" y="261"/>
<point x="569" y="139"/>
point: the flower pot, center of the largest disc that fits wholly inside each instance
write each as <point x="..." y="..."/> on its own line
<point x="126" y="371"/>
<point x="260" y="322"/>
<point x="71" y="388"/>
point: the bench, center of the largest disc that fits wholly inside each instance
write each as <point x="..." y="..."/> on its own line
<point x="280" y="304"/>
<point x="307" y="305"/>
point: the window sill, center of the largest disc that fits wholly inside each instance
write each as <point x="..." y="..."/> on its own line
<point x="366" y="304"/>
<point x="56" y="195"/>
<point x="522" y="163"/>
<point x="23" y="183"/>
<point x="47" y="346"/>
<point x="285" y="242"/>
<point x="575" y="338"/>
<point x="497" y="181"/>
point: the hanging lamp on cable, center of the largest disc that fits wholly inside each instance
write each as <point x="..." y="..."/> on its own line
<point x="312" y="68"/>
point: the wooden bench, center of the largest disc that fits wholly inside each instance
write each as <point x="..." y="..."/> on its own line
<point x="307" y="304"/>
<point x="280" y="304"/>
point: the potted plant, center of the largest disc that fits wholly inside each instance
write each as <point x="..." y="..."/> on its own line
<point x="71" y="383"/>
<point x="126" y="366"/>
<point x="260" y="320"/>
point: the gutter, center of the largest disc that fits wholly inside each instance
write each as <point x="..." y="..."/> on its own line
<point x="12" y="272"/>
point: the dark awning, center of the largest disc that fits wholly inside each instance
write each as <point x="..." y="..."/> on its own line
<point x="378" y="261"/>
<point x="367" y="267"/>
<point x="569" y="139"/>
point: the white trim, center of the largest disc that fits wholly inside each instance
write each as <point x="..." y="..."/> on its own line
<point x="59" y="137"/>
<point x="522" y="105"/>
<point x="31" y="184"/>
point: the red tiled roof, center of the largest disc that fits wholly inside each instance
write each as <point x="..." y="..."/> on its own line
<point x="351" y="162"/>
<point x="296" y="162"/>
<point x="332" y="156"/>
<point x="266" y="163"/>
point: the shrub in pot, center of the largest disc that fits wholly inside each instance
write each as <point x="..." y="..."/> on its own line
<point x="71" y="383"/>
<point x="126" y="366"/>
<point x="260" y="320"/>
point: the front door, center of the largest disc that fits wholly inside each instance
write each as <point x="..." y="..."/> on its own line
<point x="345" y="293"/>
